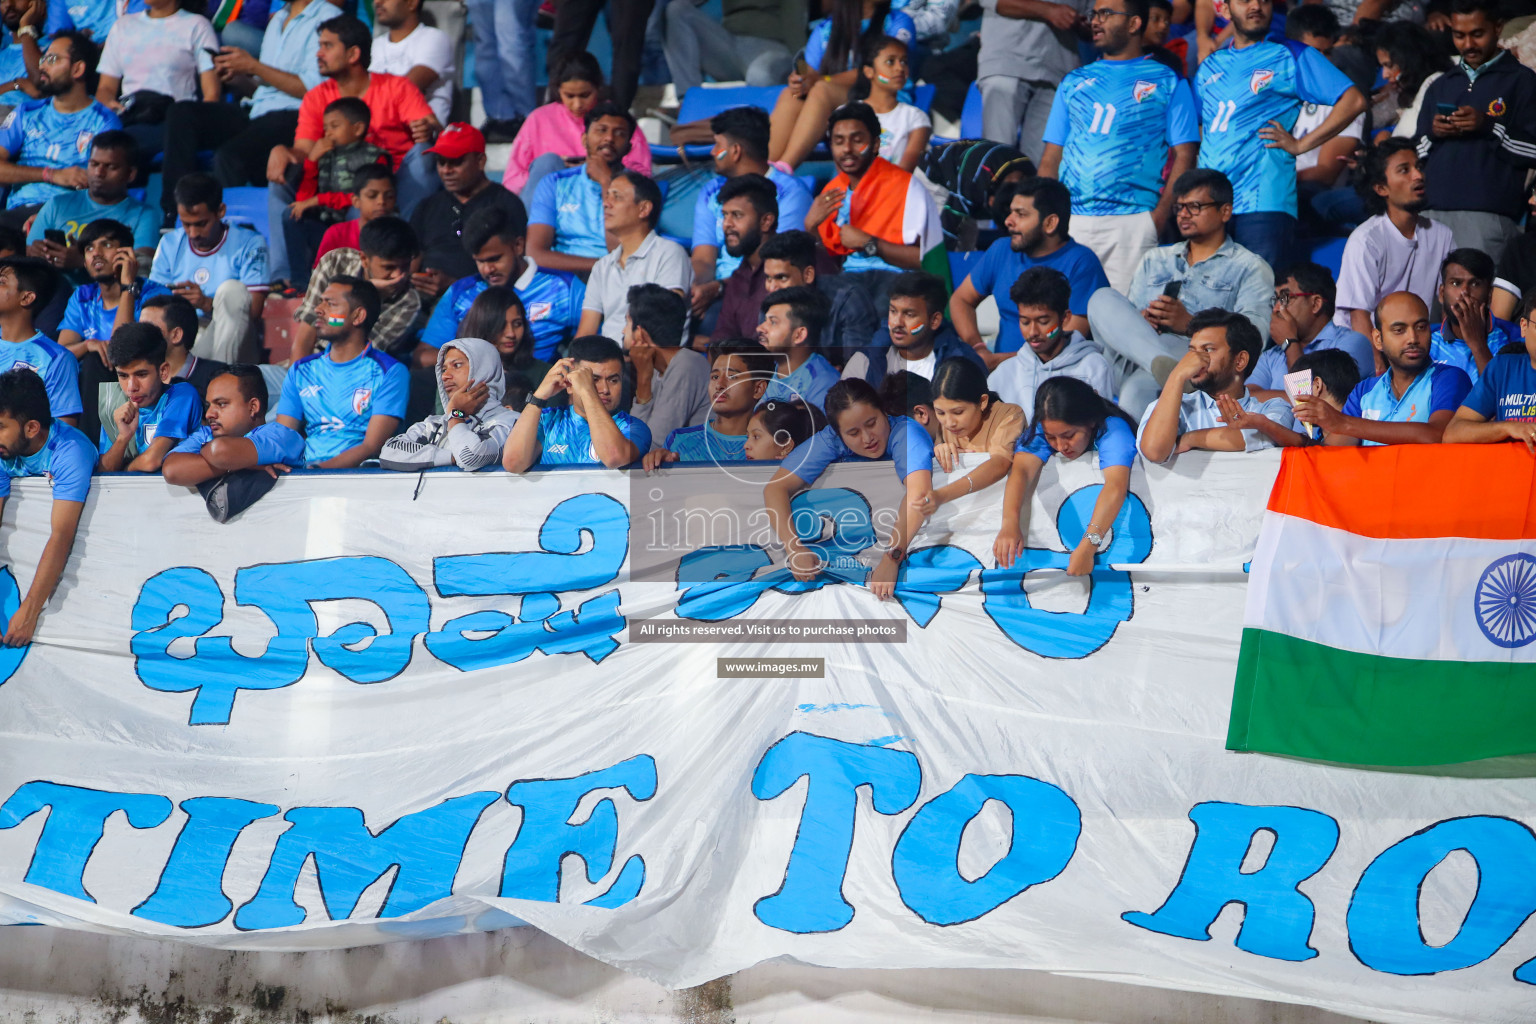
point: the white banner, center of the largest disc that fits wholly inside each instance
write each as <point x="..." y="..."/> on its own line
<point x="381" y="707"/>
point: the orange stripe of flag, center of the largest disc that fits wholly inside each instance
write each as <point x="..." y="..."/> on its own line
<point x="1480" y="491"/>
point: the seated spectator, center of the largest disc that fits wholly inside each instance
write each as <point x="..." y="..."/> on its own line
<point x="242" y="137"/>
<point x="1468" y="333"/>
<point x="1042" y="297"/>
<point x="970" y="419"/>
<point x="235" y="435"/>
<point x="738" y="377"/>
<point x="904" y="128"/>
<point x="1149" y="325"/>
<point x="740" y="152"/>
<point x="156" y="416"/>
<point x="19" y="57"/>
<point x="97" y="309"/>
<point x="552" y="298"/>
<point x="498" y="316"/>
<point x="473" y="426"/>
<point x="800" y="116"/>
<point x="13" y="242"/>
<point x="778" y="428"/>
<point x="153" y="59"/>
<point x="1502" y="404"/>
<point x="592" y="430"/>
<point x="1302" y="322"/>
<point x="1516" y="275"/>
<point x="387" y="248"/>
<point x="793" y="321"/>
<point x="328" y="178"/>
<point x="858" y="428"/>
<point x="220" y="268"/>
<point x="1039" y="212"/>
<point x="372" y="197"/>
<point x="751" y="42"/>
<point x="915" y="336"/>
<point x="908" y="394"/>
<point x="1069" y="419"/>
<point x="565" y="215"/>
<point x="108" y="173"/>
<point x="414" y="50"/>
<point x="1334" y="374"/>
<point x="43" y="144"/>
<point x="1408" y="404"/>
<point x="401" y="123"/>
<point x="439" y="220"/>
<point x="789" y="260"/>
<point x="1397" y="249"/>
<point x="27" y="285"/>
<point x="551" y="138"/>
<point x="350" y="399"/>
<point x="631" y="211"/>
<point x="877" y="217"/>
<point x="1218" y="414"/>
<point x="177" y="321"/>
<point x="671" y="381"/>
<point x="749" y="215"/>
<point x="34" y="443"/>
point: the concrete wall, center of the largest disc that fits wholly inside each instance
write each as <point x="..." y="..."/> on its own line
<point x="521" y="975"/>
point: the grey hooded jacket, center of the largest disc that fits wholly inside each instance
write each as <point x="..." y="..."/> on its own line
<point x="443" y="440"/>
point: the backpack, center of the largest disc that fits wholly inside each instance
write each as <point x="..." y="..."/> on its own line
<point x="970" y="170"/>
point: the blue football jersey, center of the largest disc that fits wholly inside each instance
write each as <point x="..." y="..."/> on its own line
<point x="572" y="203"/>
<point x="177" y="413"/>
<point x="52" y="362"/>
<point x="240" y="256"/>
<point x="809" y="384"/>
<point x="704" y="443"/>
<point x="274" y="443"/>
<point x="1115" y="120"/>
<point x="565" y="439"/>
<point x="709" y="226"/>
<point x="334" y="401"/>
<point x="67" y="459"/>
<point x="35" y="134"/>
<point x="86" y="316"/>
<point x="1240" y="91"/>
<point x="551" y="302"/>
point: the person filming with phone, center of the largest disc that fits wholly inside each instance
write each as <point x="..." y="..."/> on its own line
<point x="1149" y="327"/>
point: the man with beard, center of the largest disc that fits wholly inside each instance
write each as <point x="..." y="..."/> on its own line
<point x="350" y="399"/>
<point x="1411" y="402"/>
<point x="749" y="213"/>
<point x="1397" y="250"/>
<point x="439" y="220"/>
<point x="1149" y="326"/>
<point x="1039" y="213"/>
<point x="1218" y="414"/>
<point x="235" y="434"/>
<point x="43" y="145"/>
<point x="386" y="249"/>
<point x="1113" y="164"/>
<point x="1250" y="94"/>
<point x="110" y="170"/>
<point x="565" y="219"/>
<point x="791" y="259"/>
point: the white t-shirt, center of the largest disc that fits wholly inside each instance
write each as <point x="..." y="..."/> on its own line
<point x="896" y="126"/>
<point x="1311" y="117"/>
<point x="425" y="47"/>
<point x="163" y="55"/>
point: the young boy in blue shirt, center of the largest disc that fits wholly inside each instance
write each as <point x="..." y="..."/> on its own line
<point x="738" y="376"/>
<point x="158" y="415"/>
<point x="1502" y="404"/>
<point x="592" y="430"/>
<point x="34" y="443"/>
<point x="236" y="434"/>
<point x="26" y="286"/>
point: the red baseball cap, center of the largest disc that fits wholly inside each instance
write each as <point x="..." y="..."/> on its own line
<point x="458" y="140"/>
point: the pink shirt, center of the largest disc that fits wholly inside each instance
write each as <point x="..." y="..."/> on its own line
<point x="553" y="129"/>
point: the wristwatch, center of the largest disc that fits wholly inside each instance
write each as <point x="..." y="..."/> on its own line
<point x="30" y="31"/>
<point x="1096" y="539"/>
<point x="537" y="402"/>
<point x="871" y="249"/>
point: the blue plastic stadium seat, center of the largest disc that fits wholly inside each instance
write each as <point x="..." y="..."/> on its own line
<point x="1328" y="252"/>
<point x="248" y="205"/>
<point x="701" y="103"/>
<point x="970" y="114"/>
<point x="922" y="97"/>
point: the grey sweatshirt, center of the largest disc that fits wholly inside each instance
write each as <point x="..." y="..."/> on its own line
<point x="469" y="443"/>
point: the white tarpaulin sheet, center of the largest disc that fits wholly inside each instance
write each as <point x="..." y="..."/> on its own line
<point x="383" y="707"/>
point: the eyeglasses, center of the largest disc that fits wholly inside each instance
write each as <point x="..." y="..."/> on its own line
<point x="1104" y="14"/>
<point x="1194" y="208"/>
<point x="1284" y="298"/>
<point x="53" y="58"/>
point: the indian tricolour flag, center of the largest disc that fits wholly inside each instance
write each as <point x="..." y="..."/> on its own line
<point x="1391" y="614"/>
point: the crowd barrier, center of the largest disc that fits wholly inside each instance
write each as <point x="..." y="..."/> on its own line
<point x="383" y="707"/>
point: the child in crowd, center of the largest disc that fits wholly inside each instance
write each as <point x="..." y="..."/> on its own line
<point x="329" y="179"/>
<point x="373" y="196"/>
<point x="157" y="416"/>
<point x="498" y="316"/>
<point x="971" y="419"/>
<point x="1335" y="374"/>
<point x="738" y="376"/>
<point x="1071" y="419"/>
<point x="473" y="425"/>
<point x="857" y="428"/>
<point x="904" y="128"/>
<point x="550" y="139"/>
<point x="777" y="428"/>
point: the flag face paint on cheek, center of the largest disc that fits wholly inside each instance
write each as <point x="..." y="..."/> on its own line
<point x="335" y="321"/>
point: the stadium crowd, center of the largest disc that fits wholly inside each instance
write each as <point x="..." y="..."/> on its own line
<point x="1148" y="220"/>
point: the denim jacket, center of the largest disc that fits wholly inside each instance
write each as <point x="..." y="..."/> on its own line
<point x="1232" y="278"/>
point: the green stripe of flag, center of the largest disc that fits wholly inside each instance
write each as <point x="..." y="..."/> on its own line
<point x="1308" y="700"/>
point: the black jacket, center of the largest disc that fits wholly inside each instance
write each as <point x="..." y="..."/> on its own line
<point x="1484" y="172"/>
